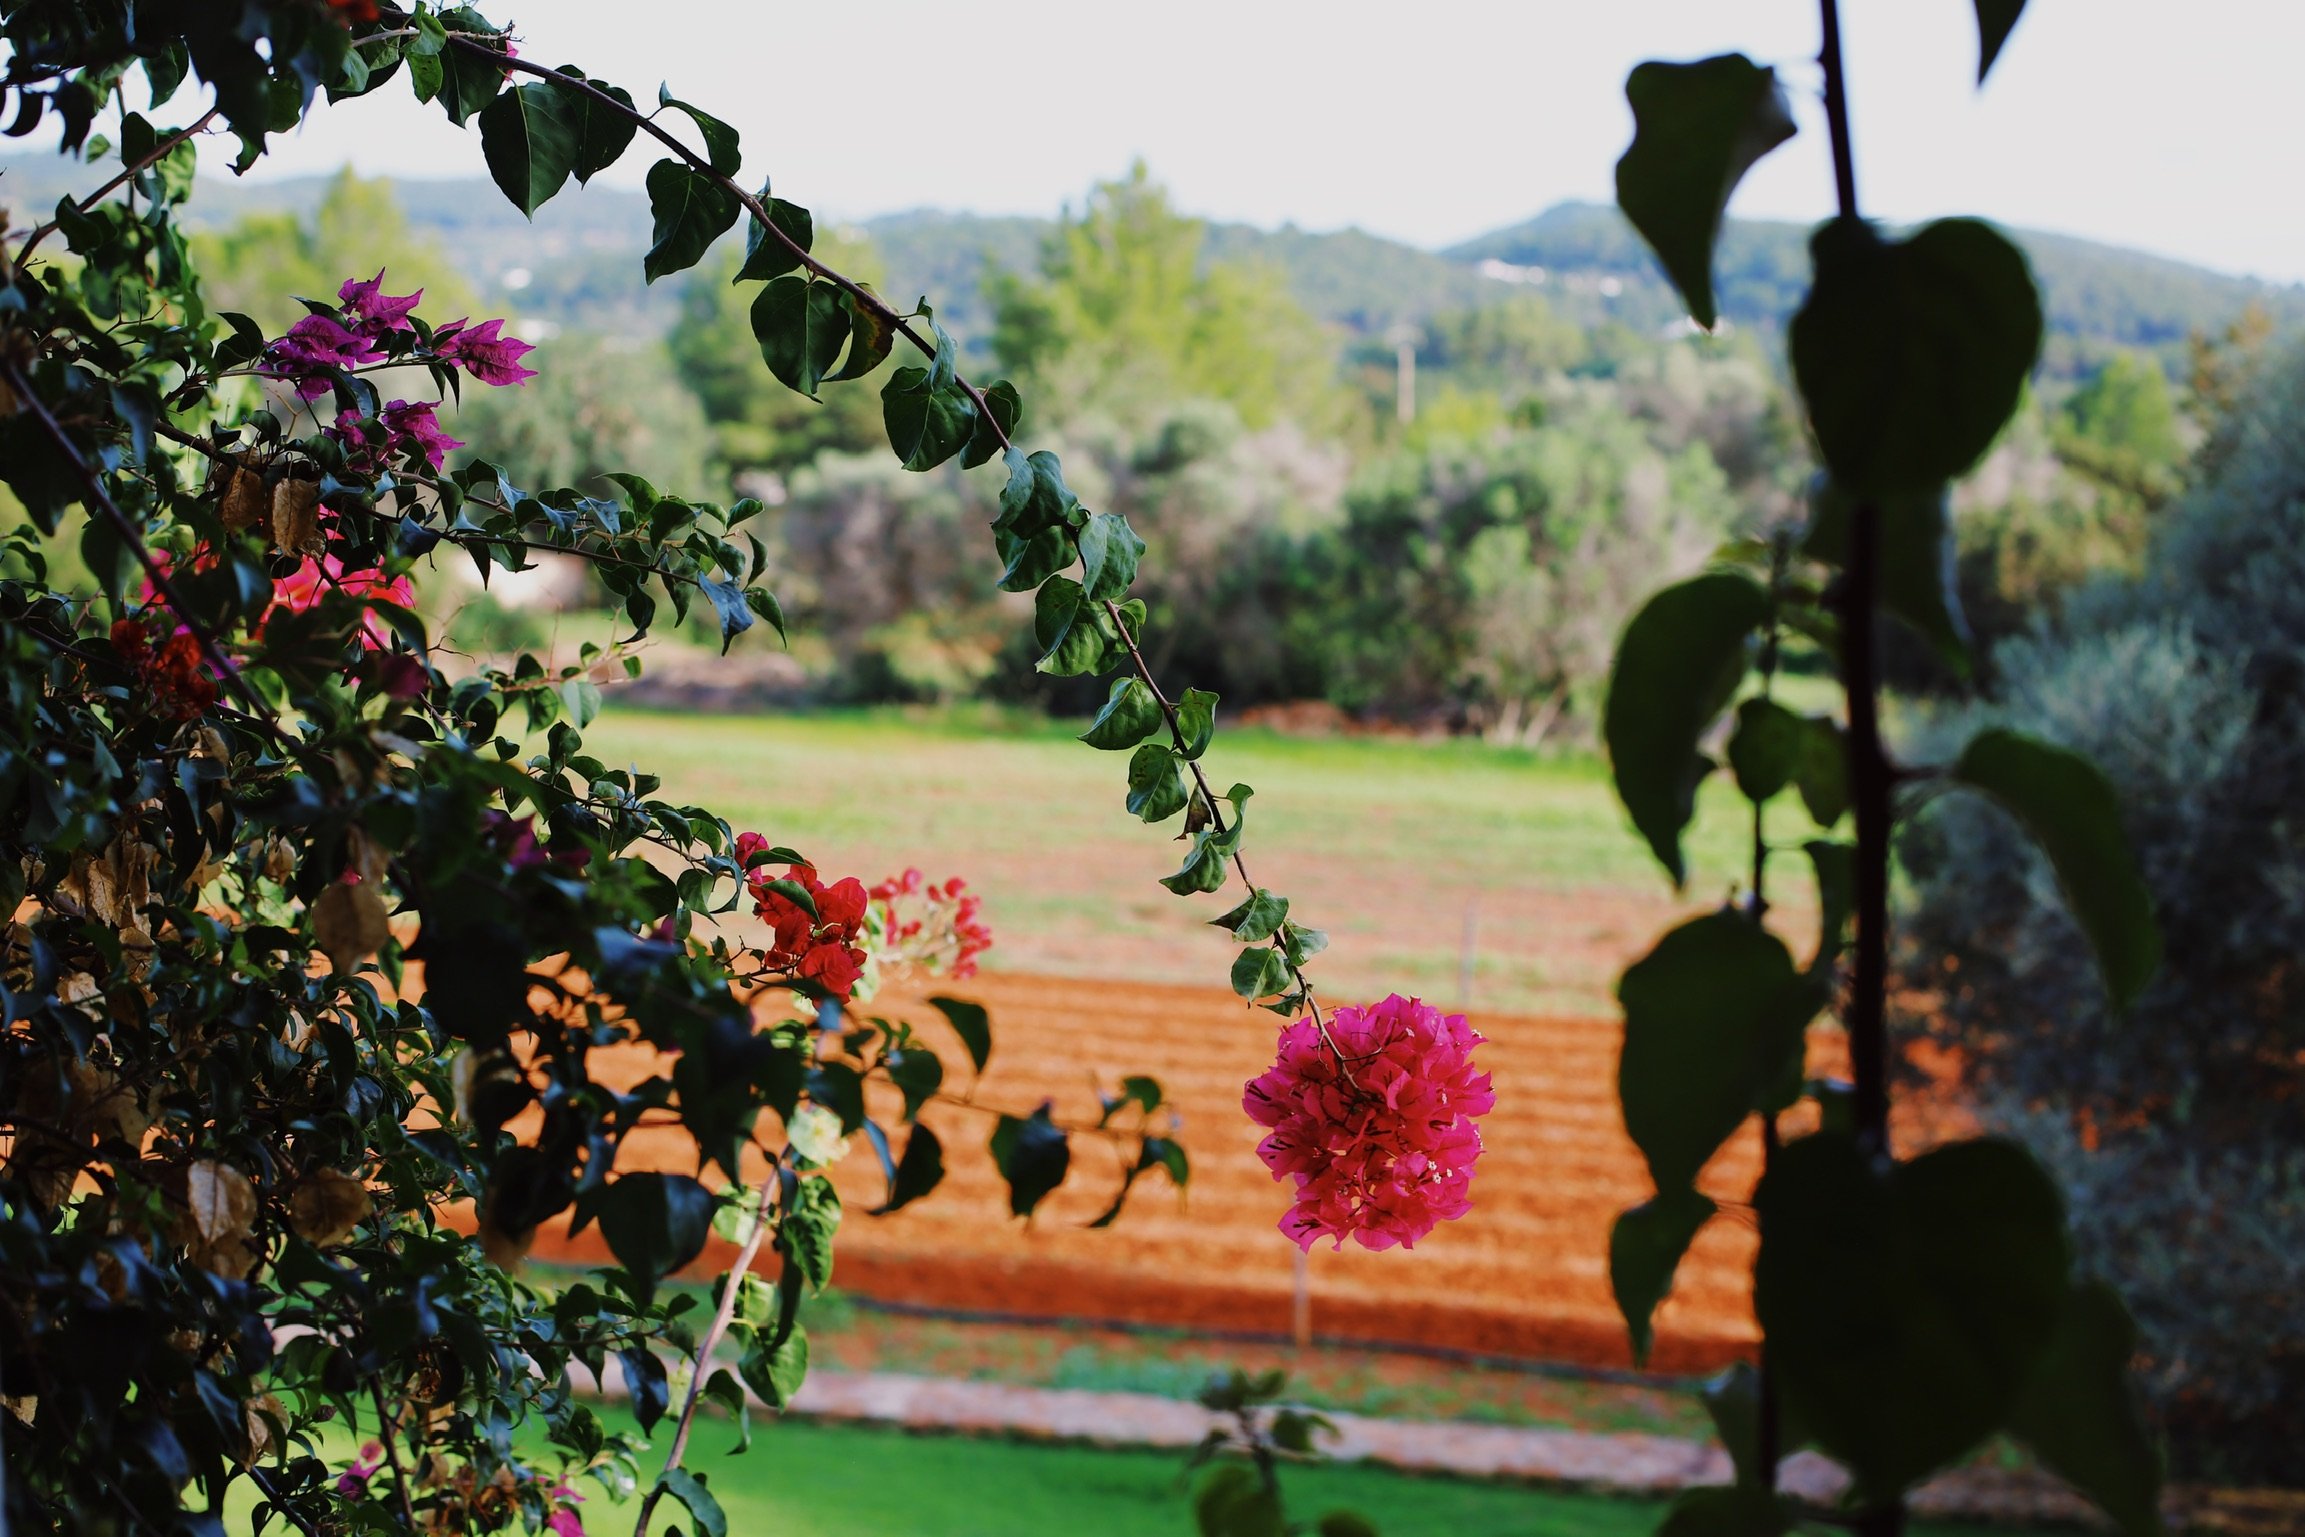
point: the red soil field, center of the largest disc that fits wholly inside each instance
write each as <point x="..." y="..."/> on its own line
<point x="1524" y="1275"/>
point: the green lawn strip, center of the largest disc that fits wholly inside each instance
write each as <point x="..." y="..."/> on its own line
<point x="816" y="1479"/>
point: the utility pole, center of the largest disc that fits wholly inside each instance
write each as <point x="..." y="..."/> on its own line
<point x="1404" y="337"/>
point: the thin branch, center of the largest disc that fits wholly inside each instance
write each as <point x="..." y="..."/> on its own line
<point x="711" y="1342"/>
<point x="392" y="1453"/>
<point x="462" y="540"/>
<point x="154" y="156"/>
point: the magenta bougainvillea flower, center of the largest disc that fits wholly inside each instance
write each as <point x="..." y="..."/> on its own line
<point x="1376" y="1123"/>
<point x="403" y="427"/>
<point x="374" y="312"/>
<point x="483" y="352"/>
<point x="313" y="350"/>
<point x="411" y="424"/>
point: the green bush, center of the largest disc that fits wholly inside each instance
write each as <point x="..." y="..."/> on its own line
<point x="2177" y="1128"/>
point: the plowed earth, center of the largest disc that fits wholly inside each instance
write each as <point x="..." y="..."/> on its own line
<point x="1525" y="1275"/>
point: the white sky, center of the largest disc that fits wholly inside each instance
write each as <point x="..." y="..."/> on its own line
<point x="2170" y="125"/>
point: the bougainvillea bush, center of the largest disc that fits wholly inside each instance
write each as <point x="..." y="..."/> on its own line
<point x="314" y="933"/>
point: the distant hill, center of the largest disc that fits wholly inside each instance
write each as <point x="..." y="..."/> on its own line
<point x="577" y="265"/>
<point x="2096" y="295"/>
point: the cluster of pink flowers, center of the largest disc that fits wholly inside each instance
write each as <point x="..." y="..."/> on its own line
<point x="319" y="574"/>
<point x="822" y="948"/>
<point x="937" y="928"/>
<point x="1376" y="1122"/>
<point x="403" y="427"/>
<point x="370" y="326"/>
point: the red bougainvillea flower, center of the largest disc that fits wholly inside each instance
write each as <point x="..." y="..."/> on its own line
<point x="822" y="948"/>
<point x="318" y="575"/>
<point x="373" y="312"/>
<point x="1378" y="1131"/>
<point x="173" y="676"/>
<point x="313" y="350"/>
<point x="354" y="10"/>
<point x="481" y="351"/>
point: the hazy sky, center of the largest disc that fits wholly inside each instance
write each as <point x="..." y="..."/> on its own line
<point x="2168" y="126"/>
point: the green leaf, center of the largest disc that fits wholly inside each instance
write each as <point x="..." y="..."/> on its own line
<point x="971" y="1023"/>
<point x="1202" y="870"/>
<point x="806" y="1231"/>
<point x="1196" y="722"/>
<point x="926" y="425"/>
<point x="1943" y="1277"/>
<point x="1645" y="1248"/>
<point x="1033" y="1154"/>
<point x="603" y="134"/>
<point x="919" y="1171"/>
<point x="1823" y="774"/>
<point x="689" y="1489"/>
<point x="1766" y="750"/>
<point x="1995" y="18"/>
<point x="1260" y="972"/>
<point x="2068" y="807"/>
<point x="655" y="1224"/>
<point x="917" y="1074"/>
<point x="691" y="212"/>
<point x="775" y="1368"/>
<point x="1836" y="868"/>
<point x="1260" y="917"/>
<point x="2079" y="1411"/>
<point x="801" y="326"/>
<point x="1077" y="635"/>
<point x="1919" y="584"/>
<point x="1697" y="128"/>
<point x="1129" y="716"/>
<point x="1676" y="668"/>
<point x="1156" y="786"/>
<point x="1712" y="1015"/>
<point x="767" y="257"/>
<point x="1232" y="1501"/>
<point x="870" y="336"/>
<point x="1735" y="1510"/>
<point x="1033" y="561"/>
<point x="530" y="142"/>
<point x="1004" y="409"/>
<point x="1109" y="551"/>
<point x="1911" y="354"/>
<point x="720" y="142"/>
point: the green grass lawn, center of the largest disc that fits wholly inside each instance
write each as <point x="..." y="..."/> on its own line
<point x="806" y="1479"/>
<point x="1398" y="848"/>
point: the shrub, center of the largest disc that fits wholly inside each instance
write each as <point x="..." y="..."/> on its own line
<point x="2177" y="1126"/>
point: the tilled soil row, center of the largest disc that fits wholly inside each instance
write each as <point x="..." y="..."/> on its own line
<point x="1525" y="1275"/>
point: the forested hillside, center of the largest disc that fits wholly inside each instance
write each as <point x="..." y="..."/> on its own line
<point x="1582" y="257"/>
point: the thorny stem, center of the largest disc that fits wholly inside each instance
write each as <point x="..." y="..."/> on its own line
<point x="1870" y="778"/>
<point x="721" y="1319"/>
<point x="902" y="326"/>
<point x="384" y="1433"/>
<point x="152" y="157"/>
<point x="101" y="499"/>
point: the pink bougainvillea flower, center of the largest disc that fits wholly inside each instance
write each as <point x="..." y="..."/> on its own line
<point x="1377" y="1129"/>
<point x="412" y="425"/>
<point x="483" y="352"/>
<point x="308" y="583"/>
<point x="376" y="313"/>
<point x="313" y="349"/>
